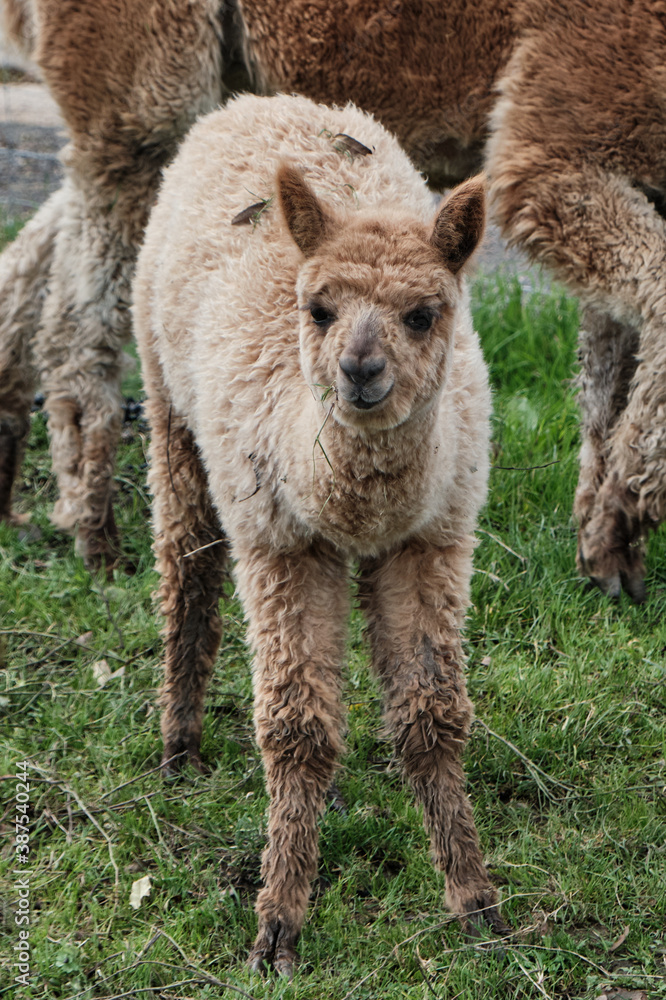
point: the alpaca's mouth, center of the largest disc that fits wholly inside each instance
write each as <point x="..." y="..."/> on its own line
<point x="365" y="400"/>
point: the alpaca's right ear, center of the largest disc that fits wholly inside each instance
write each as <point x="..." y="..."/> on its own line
<point x="459" y="226"/>
<point x="306" y="219"/>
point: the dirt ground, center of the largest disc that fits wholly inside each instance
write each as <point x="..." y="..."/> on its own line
<point x="31" y="136"/>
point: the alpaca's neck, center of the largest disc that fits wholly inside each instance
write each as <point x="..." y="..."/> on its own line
<point x="347" y="456"/>
<point x="366" y="491"/>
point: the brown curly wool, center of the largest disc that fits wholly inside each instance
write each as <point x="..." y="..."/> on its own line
<point x="576" y="165"/>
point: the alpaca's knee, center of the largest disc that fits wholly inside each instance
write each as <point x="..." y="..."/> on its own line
<point x="299" y="756"/>
<point x="429" y="712"/>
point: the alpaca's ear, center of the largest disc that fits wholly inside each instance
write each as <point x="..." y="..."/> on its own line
<point x="459" y="226"/>
<point x="306" y="219"/>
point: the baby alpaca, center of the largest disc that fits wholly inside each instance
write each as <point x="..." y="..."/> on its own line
<point x="317" y="396"/>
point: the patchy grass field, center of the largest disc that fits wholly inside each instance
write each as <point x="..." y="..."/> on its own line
<point x="566" y="764"/>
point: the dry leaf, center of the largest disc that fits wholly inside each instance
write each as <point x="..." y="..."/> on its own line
<point x="101" y="672"/>
<point x="84" y="639"/>
<point x="622" y="938"/>
<point x="250" y="214"/>
<point x="140" y="888"/>
<point x="346" y="144"/>
<point x="485" y="662"/>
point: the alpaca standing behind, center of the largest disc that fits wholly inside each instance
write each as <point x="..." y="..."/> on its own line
<point x="317" y="395"/>
<point x="130" y="77"/>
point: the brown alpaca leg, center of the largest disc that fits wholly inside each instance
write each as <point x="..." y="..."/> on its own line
<point x="607" y="352"/>
<point x="603" y="237"/>
<point x="191" y="581"/>
<point x="24" y="270"/>
<point x="79" y="349"/>
<point x="415" y="602"/>
<point x="297" y="606"/>
<point x="632" y="497"/>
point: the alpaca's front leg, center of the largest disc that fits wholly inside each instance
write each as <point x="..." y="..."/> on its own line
<point x="415" y="601"/>
<point x="297" y="606"/>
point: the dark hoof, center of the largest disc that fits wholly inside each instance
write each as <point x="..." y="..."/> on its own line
<point x="634" y="585"/>
<point x="99" y="547"/>
<point x="274" y="949"/>
<point x="483" y="923"/>
<point x="29" y="532"/>
<point x="478" y="924"/>
<point x="610" y="586"/>
<point x="259" y="962"/>
<point x="173" y="764"/>
<point x="335" y="800"/>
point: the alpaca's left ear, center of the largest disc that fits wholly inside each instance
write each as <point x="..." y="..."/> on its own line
<point x="459" y="226"/>
<point x="308" y="222"/>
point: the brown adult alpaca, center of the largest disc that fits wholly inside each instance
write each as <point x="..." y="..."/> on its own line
<point x="128" y="96"/>
<point x="130" y="78"/>
<point x="577" y="165"/>
<point x="577" y="169"/>
<point x="317" y="395"/>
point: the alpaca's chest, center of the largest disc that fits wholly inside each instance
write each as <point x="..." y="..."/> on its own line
<point x="359" y="512"/>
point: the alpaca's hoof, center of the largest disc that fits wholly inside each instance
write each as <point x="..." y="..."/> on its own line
<point x="14" y="519"/>
<point x="482" y="915"/>
<point x="488" y="920"/>
<point x="274" y="949"/>
<point x="174" y="761"/>
<point x="610" y="586"/>
<point x="335" y="799"/>
<point x="99" y="562"/>
<point x="98" y="547"/>
<point x="634" y="585"/>
<point x="284" y="965"/>
<point x="27" y="532"/>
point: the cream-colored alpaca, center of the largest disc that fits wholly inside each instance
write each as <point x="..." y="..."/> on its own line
<point x="317" y="395"/>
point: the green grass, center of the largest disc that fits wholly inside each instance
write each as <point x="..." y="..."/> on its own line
<point x="9" y="228"/>
<point x="566" y="766"/>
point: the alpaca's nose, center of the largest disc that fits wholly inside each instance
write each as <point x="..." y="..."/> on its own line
<point x="361" y="370"/>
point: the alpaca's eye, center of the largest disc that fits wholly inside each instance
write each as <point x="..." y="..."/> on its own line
<point x="420" y="320"/>
<point x="321" y="316"/>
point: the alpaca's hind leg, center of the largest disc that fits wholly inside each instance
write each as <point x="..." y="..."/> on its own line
<point x="415" y="602"/>
<point x="607" y="352"/>
<point x="24" y="272"/>
<point x="632" y="497"/>
<point x="79" y="350"/>
<point x="297" y="606"/>
<point x="191" y="553"/>
<point x="604" y="238"/>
